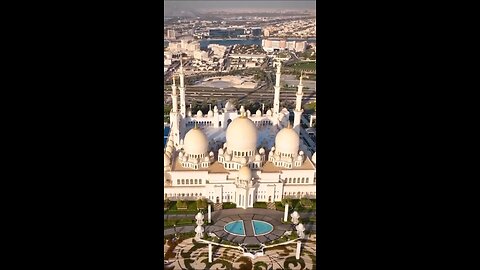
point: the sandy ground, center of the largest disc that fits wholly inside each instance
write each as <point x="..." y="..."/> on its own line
<point x="229" y="81"/>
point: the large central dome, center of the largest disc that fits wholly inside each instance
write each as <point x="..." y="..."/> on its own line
<point x="242" y="135"/>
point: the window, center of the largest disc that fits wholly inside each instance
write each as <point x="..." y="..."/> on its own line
<point x="303" y="180"/>
<point x="178" y="181"/>
<point x="196" y="181"/>
<point x="307" y="180"/>
<point x="200" y="181"/>
<point x="183" y="181"/>
<point x="294" y="180"/>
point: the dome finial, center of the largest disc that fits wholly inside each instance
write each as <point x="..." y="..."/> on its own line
<point x="173" y="79"/>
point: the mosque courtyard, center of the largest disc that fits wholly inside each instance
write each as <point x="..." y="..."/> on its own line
<point x="189" y="253"/>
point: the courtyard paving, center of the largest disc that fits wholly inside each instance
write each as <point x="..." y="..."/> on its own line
<point x="223" y="217"/>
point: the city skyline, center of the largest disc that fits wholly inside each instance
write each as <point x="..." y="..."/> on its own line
<point x="204" y="6"/>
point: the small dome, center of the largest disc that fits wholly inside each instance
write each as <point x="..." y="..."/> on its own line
<point x="301" y="153"/>
<point x="199" y="113"/>
<point x="210" y="113"/>
<point x="180" y="155"/>
<point x="273" y="148"/>
<point x="244" y="161"/>
<point x="215" y="108"/>
<point x="314" y="158"/>
<point x="258" y="158"/>
<point x="245" y="173"/>
<point x="220" y="151"/>
<point x="269" y="113"/>
<point x="287" y="141"/>
<point x="242" y="135"/>
<point x="196" y="142"/>
<point x="242" y="109"/>
<point x="207" y="158"/>
<point x="261" y="151"/>
<point x="258" y="113"/>
<point x="249" y="113"/>
<point x="300" y="158"/>
<point x="211" y="154"/>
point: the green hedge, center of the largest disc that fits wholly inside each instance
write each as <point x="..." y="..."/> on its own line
<point x="305" y="202"/>
<point x="181" y="204"/>
<point x="229" y="205"/>
<point x="202" y="204"/>
<point x="260" y="205"/>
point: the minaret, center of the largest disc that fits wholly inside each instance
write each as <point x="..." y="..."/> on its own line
<point x="174" y="96"/>
<point x="276" y="100"/>
<point x="182" y="90"/>
<point x="174" y="116"/>
<point x="298" y="107"/>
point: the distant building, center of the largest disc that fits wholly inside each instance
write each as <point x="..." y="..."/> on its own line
<point x="171" y="34"/>
<point x="266" y="33"/>
<point x="300" y="46"/>
<point x="281" y="45"/>
<point x="226" y="32"/>
<point x="256" y="32"/>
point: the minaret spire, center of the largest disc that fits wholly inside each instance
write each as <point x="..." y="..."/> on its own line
<point x="276" y="101"/>
<point x="182" y="89"/>
<point x="174" y="116"/>
<point x="174" y="96"/>
<point x="298" y="106"/>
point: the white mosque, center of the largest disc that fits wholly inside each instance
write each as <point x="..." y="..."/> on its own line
<point x="236" y="156"/>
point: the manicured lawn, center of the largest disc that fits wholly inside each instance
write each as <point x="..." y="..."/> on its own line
<point x="305" y="66"/>
<point x="179" y="222"/>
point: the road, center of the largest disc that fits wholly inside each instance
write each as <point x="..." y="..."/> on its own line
<point x="203" y="93"/>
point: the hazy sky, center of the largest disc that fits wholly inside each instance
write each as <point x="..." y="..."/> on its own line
<point x="177" y="5"/>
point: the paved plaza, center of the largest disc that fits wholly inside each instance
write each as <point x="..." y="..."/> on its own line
<point x="223" y="217"/>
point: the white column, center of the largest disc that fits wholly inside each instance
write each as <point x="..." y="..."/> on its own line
<point x="276" y="100"/>
<point x="285" y="216"/>
<point x="209" y="213"/>
<point x="174" y="96"/>
<point x="299" y="246"/>
<point x="210" y="253"/>
<point x="311" y="120"/>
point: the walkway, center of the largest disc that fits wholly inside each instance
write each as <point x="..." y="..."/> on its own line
<point x="222" y="217"/>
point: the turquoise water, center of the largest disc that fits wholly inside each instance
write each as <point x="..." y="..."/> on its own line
<point x="235" y="227"/>
<point x="261" y="227"/>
